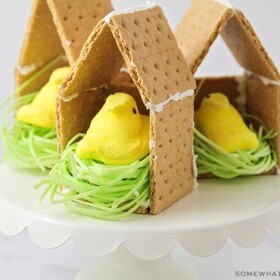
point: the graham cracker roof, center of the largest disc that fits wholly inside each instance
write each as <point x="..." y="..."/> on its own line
<point x="56" y="27"/>
<point x="143" y="39"/>
<point x="205" y="20"/>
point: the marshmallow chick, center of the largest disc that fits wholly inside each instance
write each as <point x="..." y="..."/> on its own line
<point x="41" y="112"/>
<point x="118" y="134"/>
<point x="221" y="122"/>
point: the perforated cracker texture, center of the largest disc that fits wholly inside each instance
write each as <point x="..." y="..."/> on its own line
<point x="159" y="69"/>
<point x="145" y="41"/>
<point x="75" y="20"/>
<point x="55" y="28"/>
<point x="41" y="45"/>
<point x="204" y="21"/>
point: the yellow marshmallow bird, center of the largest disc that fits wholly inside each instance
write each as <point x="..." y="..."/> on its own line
<point x="118" y="134"/>
<point x="41" y="112"/>
<point x="221" y="122"/>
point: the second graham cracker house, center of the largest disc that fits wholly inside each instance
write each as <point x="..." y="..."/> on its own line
<point x="56" y="28"/>
<point x="259" y="88"/>
<point x="163" y="82"/>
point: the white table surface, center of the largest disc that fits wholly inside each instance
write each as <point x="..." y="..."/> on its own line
<point x="21" y="259"/>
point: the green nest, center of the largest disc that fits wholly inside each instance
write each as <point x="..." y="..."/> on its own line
<point x="105" y="192"/>
<point x="94" y="189"/>
<point x="27" y="146"/>
<point x="213" y="159"/>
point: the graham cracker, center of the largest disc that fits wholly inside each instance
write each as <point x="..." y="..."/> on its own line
<point x="230" y="86"/>
<point x="123" y="77"/>
<point x="100" y="47"/>
<point x="144" y="40"/>
<point x="246" y="47"/>
<point x="172" y="174"/>
<point x="204" y="21"/>
<point x="74" y="20"/>
<point x="41" y="45"/>
<point x="71" y="119"/>
<point x="199" y="28"/>
<point x="263" y="101"/>
<point x="56" y="28"/>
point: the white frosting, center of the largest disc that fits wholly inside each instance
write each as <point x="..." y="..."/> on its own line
<point x="146" y="204"/>
<point x="149" y="5"/>
<point x="68" y="43"/>
<point x="241" y="88"/>
<point x="64" y="190"/>
<point x="266" y="81"/>
<point x="195" y="173"/>
<point x="105" y="86"/>
<point x="224" y="2"/>
<point x="233" y="12"/>
<point x="92" y="89"/>
<point x="175" y="97"/>
<point x="68" y="98"/>
<point x="152" y="144"/>
<point x="124" y="70"/>
<point x="75" y="95"/>
<point x="27" y="69"/>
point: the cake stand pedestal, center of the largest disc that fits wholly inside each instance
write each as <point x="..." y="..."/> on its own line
<point x="241" y="209"/>
<point x="124" y="265"/>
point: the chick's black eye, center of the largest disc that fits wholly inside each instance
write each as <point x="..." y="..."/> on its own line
<point x="134" y="111"/>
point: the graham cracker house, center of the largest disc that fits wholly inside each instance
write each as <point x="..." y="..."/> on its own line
<point x="163" y="87"/>
<point x="56" y="28"/>
<point x="259" y="88"/>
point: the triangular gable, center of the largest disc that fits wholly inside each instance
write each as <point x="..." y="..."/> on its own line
<point x="246" y="47"/>
<point x="205" y="20"/>
<point x="143" y="39"/>
<point x="56" y="28"/>
<point x="199" y="28"/>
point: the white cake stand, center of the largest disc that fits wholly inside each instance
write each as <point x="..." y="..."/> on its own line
<point x="241" y="209"/>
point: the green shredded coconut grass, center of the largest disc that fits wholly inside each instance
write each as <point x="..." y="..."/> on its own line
<point x="27" y="146"/>
<point x="30" y="80"/>
<point x="213" y="159"/>
<point x="94" y="189"/>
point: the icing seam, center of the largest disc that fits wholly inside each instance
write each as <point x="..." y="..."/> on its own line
<point x="157" y="108"/>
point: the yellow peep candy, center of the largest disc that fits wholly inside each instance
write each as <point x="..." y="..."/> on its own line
<point x="221" y="122"/>
<point x="118" y="134"/>
<point x="41" y="112"/>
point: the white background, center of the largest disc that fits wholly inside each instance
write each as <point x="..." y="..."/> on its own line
<point x="21" y="259"/>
